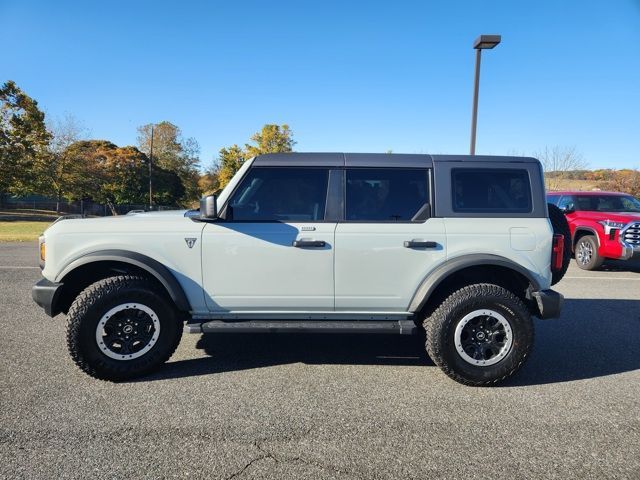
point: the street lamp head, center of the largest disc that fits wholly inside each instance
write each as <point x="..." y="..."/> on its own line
<point x="486" y="41"/>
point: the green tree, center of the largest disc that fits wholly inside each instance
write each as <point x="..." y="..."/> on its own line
<point x="120" y="175"/>
<point x="23" y="140"/>
<point x="229" y="162"/>
<point x="173" y="153"/>
<point x="270" y="139"/>
<point x="209" y="182"/>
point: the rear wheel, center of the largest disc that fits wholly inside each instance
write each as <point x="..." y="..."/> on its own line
<point x="480" y="335"/>
<point x="121" y="328"/>
<point x="587" y="257"/>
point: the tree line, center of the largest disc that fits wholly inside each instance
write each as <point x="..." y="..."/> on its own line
<point x="566" y="168"/>
<point x="56" y="159"/>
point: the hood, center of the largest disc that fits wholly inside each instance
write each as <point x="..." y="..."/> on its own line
<point x="123" y="223"/>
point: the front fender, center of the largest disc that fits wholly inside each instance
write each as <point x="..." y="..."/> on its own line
<point x="151" y="266"/>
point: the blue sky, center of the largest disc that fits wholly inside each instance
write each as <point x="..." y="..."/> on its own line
<point x="346" y="76"/>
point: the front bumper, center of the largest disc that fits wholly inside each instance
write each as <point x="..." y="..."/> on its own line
<point x="627" y="252"/>
<point x="46" y="294"/>
<point x="549" y="303"/>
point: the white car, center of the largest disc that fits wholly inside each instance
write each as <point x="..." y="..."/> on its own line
<point x="319" y="242"/>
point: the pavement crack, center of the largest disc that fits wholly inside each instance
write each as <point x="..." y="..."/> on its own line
<point x="241" y="471"/>
<point x="259" y="444"/>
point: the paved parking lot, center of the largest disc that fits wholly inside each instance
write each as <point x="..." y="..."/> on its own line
<point x="301" y="406"/>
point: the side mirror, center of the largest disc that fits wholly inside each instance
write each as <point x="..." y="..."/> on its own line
<point x="208" y="207"/>
<point x="569" y="208"/>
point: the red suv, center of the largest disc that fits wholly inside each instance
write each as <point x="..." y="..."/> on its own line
<point x="603" y="225"/>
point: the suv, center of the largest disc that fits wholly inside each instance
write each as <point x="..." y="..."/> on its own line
<point x="603" y="225"/>
<point x="319" y="242"/>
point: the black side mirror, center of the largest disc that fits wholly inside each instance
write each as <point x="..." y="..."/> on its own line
<point x="208" y="207"/>
<point x="569" y="208"/>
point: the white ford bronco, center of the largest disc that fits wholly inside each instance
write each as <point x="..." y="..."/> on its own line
<point x="462" y="246"/>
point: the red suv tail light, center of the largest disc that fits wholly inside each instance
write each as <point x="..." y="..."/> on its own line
<point x="557" y="252"/>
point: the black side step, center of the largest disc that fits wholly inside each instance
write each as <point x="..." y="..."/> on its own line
<point x="401" y="327"/>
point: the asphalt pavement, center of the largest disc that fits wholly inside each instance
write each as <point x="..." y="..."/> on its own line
<point x="330" y="406"/>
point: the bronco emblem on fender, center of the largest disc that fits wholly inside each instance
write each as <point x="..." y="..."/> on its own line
<point x="190" y="242"/>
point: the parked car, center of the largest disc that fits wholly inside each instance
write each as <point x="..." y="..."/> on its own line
<point x="368" y="243"/>
<point x="604" y="225"/>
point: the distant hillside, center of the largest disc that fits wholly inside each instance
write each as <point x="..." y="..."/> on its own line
<point x="625" y="180"/>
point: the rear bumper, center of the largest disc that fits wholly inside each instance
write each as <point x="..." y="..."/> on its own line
<point x="549" y="303"/>
<point x="46" y="294"/>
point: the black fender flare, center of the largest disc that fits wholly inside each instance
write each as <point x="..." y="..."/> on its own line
<point x="151" y="266"/>
<point x="442" y="271"/>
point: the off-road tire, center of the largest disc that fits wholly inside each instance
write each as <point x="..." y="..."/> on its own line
<point x="561" y="226"/>
<point x="441" y="326"/>
<point x="596" y="260"/>
<point x="97" y="299"/>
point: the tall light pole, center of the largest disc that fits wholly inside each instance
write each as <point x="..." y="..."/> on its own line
<point x="481" y="43"/>
<point x="150" y="162"/>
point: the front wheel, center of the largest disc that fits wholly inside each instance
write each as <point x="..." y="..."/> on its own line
<point x="122" y="327"/>
<point x="587" y="257"/>
<point x="480" y="335"/>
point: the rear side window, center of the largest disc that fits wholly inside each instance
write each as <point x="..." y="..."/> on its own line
<point x="484" y="190"/>
<point x="271" y="194"/>
<point x="386" y="195"/>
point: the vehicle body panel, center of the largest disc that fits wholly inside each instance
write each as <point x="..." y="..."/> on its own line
<point x="499" y="236"/>
<point x="254" y="266"/>
<point x="160" y="236"/>
<point x="375" y="269"/>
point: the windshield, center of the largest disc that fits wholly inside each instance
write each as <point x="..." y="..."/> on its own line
<point x="607" y="203"/>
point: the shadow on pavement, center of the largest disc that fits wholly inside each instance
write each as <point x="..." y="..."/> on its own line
<point x="232" y="352"/>
<point x="593" y="338"/>
<point x="632" y="265"/>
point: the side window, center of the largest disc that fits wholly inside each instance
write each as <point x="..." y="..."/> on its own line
<point x="485" y="190"/>
<point x="386" y="195"/>
<point x="564" y="201"/>
<point x="586" y="203"/>
<point x="272" y="194"/>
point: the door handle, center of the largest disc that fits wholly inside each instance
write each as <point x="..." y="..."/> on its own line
<point x="309" y="243"/>
<point x="420" y="244"/>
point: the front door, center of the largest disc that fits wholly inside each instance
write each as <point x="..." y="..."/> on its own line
<point x="273" y="251"/>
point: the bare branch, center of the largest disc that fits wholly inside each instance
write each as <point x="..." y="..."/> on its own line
<point x="557" y="162"/>
<point x="64" y="132"/>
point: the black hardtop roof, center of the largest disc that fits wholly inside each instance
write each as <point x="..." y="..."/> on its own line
<point x="407" y="160"/>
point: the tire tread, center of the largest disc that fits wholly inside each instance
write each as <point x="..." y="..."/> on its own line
<point x="438" y="322"/>
<point x="81" y="307"/>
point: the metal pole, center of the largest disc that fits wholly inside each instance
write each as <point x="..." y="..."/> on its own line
<point x="150" y="162"/>
<point x="474" y="115"/>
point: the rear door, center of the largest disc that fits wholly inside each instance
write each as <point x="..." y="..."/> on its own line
<point x="387" y="241"/>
